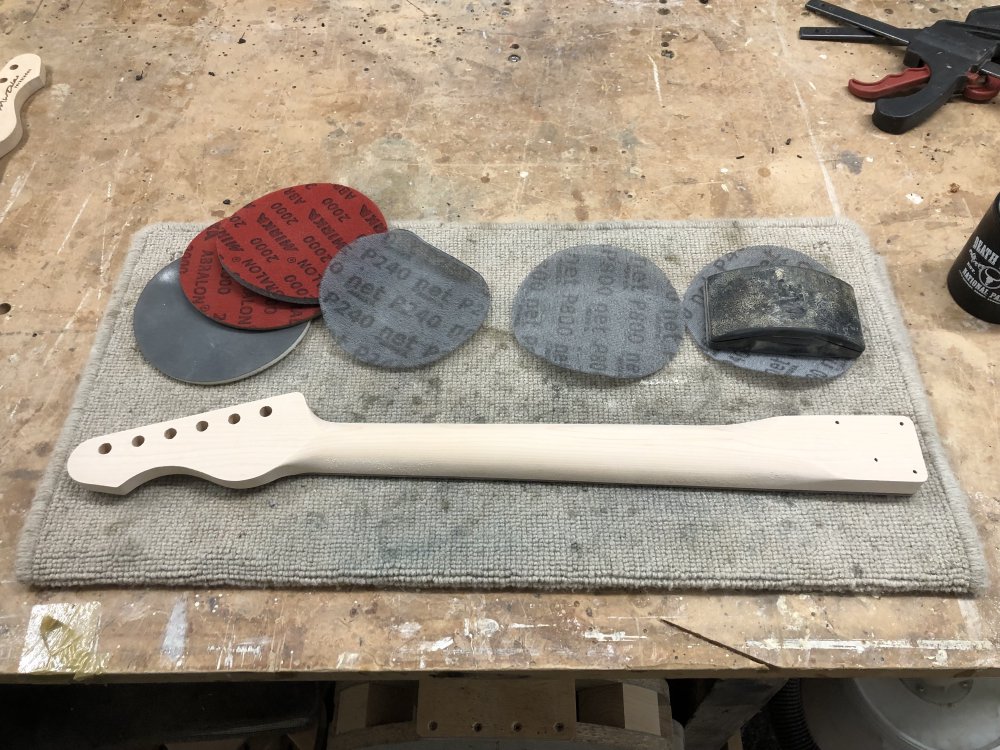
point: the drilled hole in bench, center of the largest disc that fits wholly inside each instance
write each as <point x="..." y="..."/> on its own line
<point x="138" y="440"/>
<point x="234" y="418"/>
<point x="104" y="448"/>
<point x="265" y="411"/>
<point x="201" y="426"/>
<point x="170" y="433"/>
<point x="432" y="725"/>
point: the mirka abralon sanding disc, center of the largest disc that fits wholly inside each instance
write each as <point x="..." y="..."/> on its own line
<point x="395" y="301"/>
<point x="183" y="344"/>
<point x="217" y="295"/>
<point x="601" y="310"/>
<point x="280" y="244"/>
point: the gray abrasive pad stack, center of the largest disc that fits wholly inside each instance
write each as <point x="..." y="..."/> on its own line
<point x="782" y="310"/>
<point x="347" y="531"/>
<point x="601" y="310"/>
<point x="178" y="340"/>
<point x="694" y="314"/>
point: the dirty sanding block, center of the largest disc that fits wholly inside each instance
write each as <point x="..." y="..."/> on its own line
<point x="784" y="310"/>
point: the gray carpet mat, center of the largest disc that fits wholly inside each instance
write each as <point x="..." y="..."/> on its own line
<point x="327" y="531"/>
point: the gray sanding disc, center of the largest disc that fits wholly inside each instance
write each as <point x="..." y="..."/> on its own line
<point x="757" y="255"/>
<point x="601" y="310"/>
<point x="185" y="345"/>
<point x="395" y="301"/>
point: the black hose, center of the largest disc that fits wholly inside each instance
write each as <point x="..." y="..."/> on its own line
<point x="788" y="719"/>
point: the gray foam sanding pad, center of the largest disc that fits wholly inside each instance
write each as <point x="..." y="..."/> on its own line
<point x="757" y="255"/>
<point x="601" y="310"/>
<point x="183" y="344"/>
<point x="783" y="310"/>
<point x="395" y="301"/>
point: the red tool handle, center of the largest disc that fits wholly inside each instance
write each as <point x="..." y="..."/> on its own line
<point x="893" y="84"/>
<point x="911" y="79"/>
<point x="982" y="89"/>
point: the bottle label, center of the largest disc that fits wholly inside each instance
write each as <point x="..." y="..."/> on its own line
<point x="982" y="271"/>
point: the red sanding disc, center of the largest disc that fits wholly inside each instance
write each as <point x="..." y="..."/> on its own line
<point x="279" y="245"/>
<point x="214" y="292"/>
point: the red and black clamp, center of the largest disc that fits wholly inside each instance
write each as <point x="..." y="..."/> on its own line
<point x="947" y="59"/>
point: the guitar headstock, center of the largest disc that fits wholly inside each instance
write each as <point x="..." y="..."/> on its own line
<point x="238" y="446"/>
<point x="19" y="78"/>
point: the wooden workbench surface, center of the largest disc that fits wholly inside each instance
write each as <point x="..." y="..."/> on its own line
<point x="479" y="111"/>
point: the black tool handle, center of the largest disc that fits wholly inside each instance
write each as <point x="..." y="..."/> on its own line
<point x="899" y="114"/>
<point x="894" y="34"/>
<point x="989" y="16"/>
<point x="842" y="34"/>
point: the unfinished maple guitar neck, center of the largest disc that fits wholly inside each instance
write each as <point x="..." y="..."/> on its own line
<point x="255" y="443"/>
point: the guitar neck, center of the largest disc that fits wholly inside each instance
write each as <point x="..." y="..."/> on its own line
<point x="252" y="444"/>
